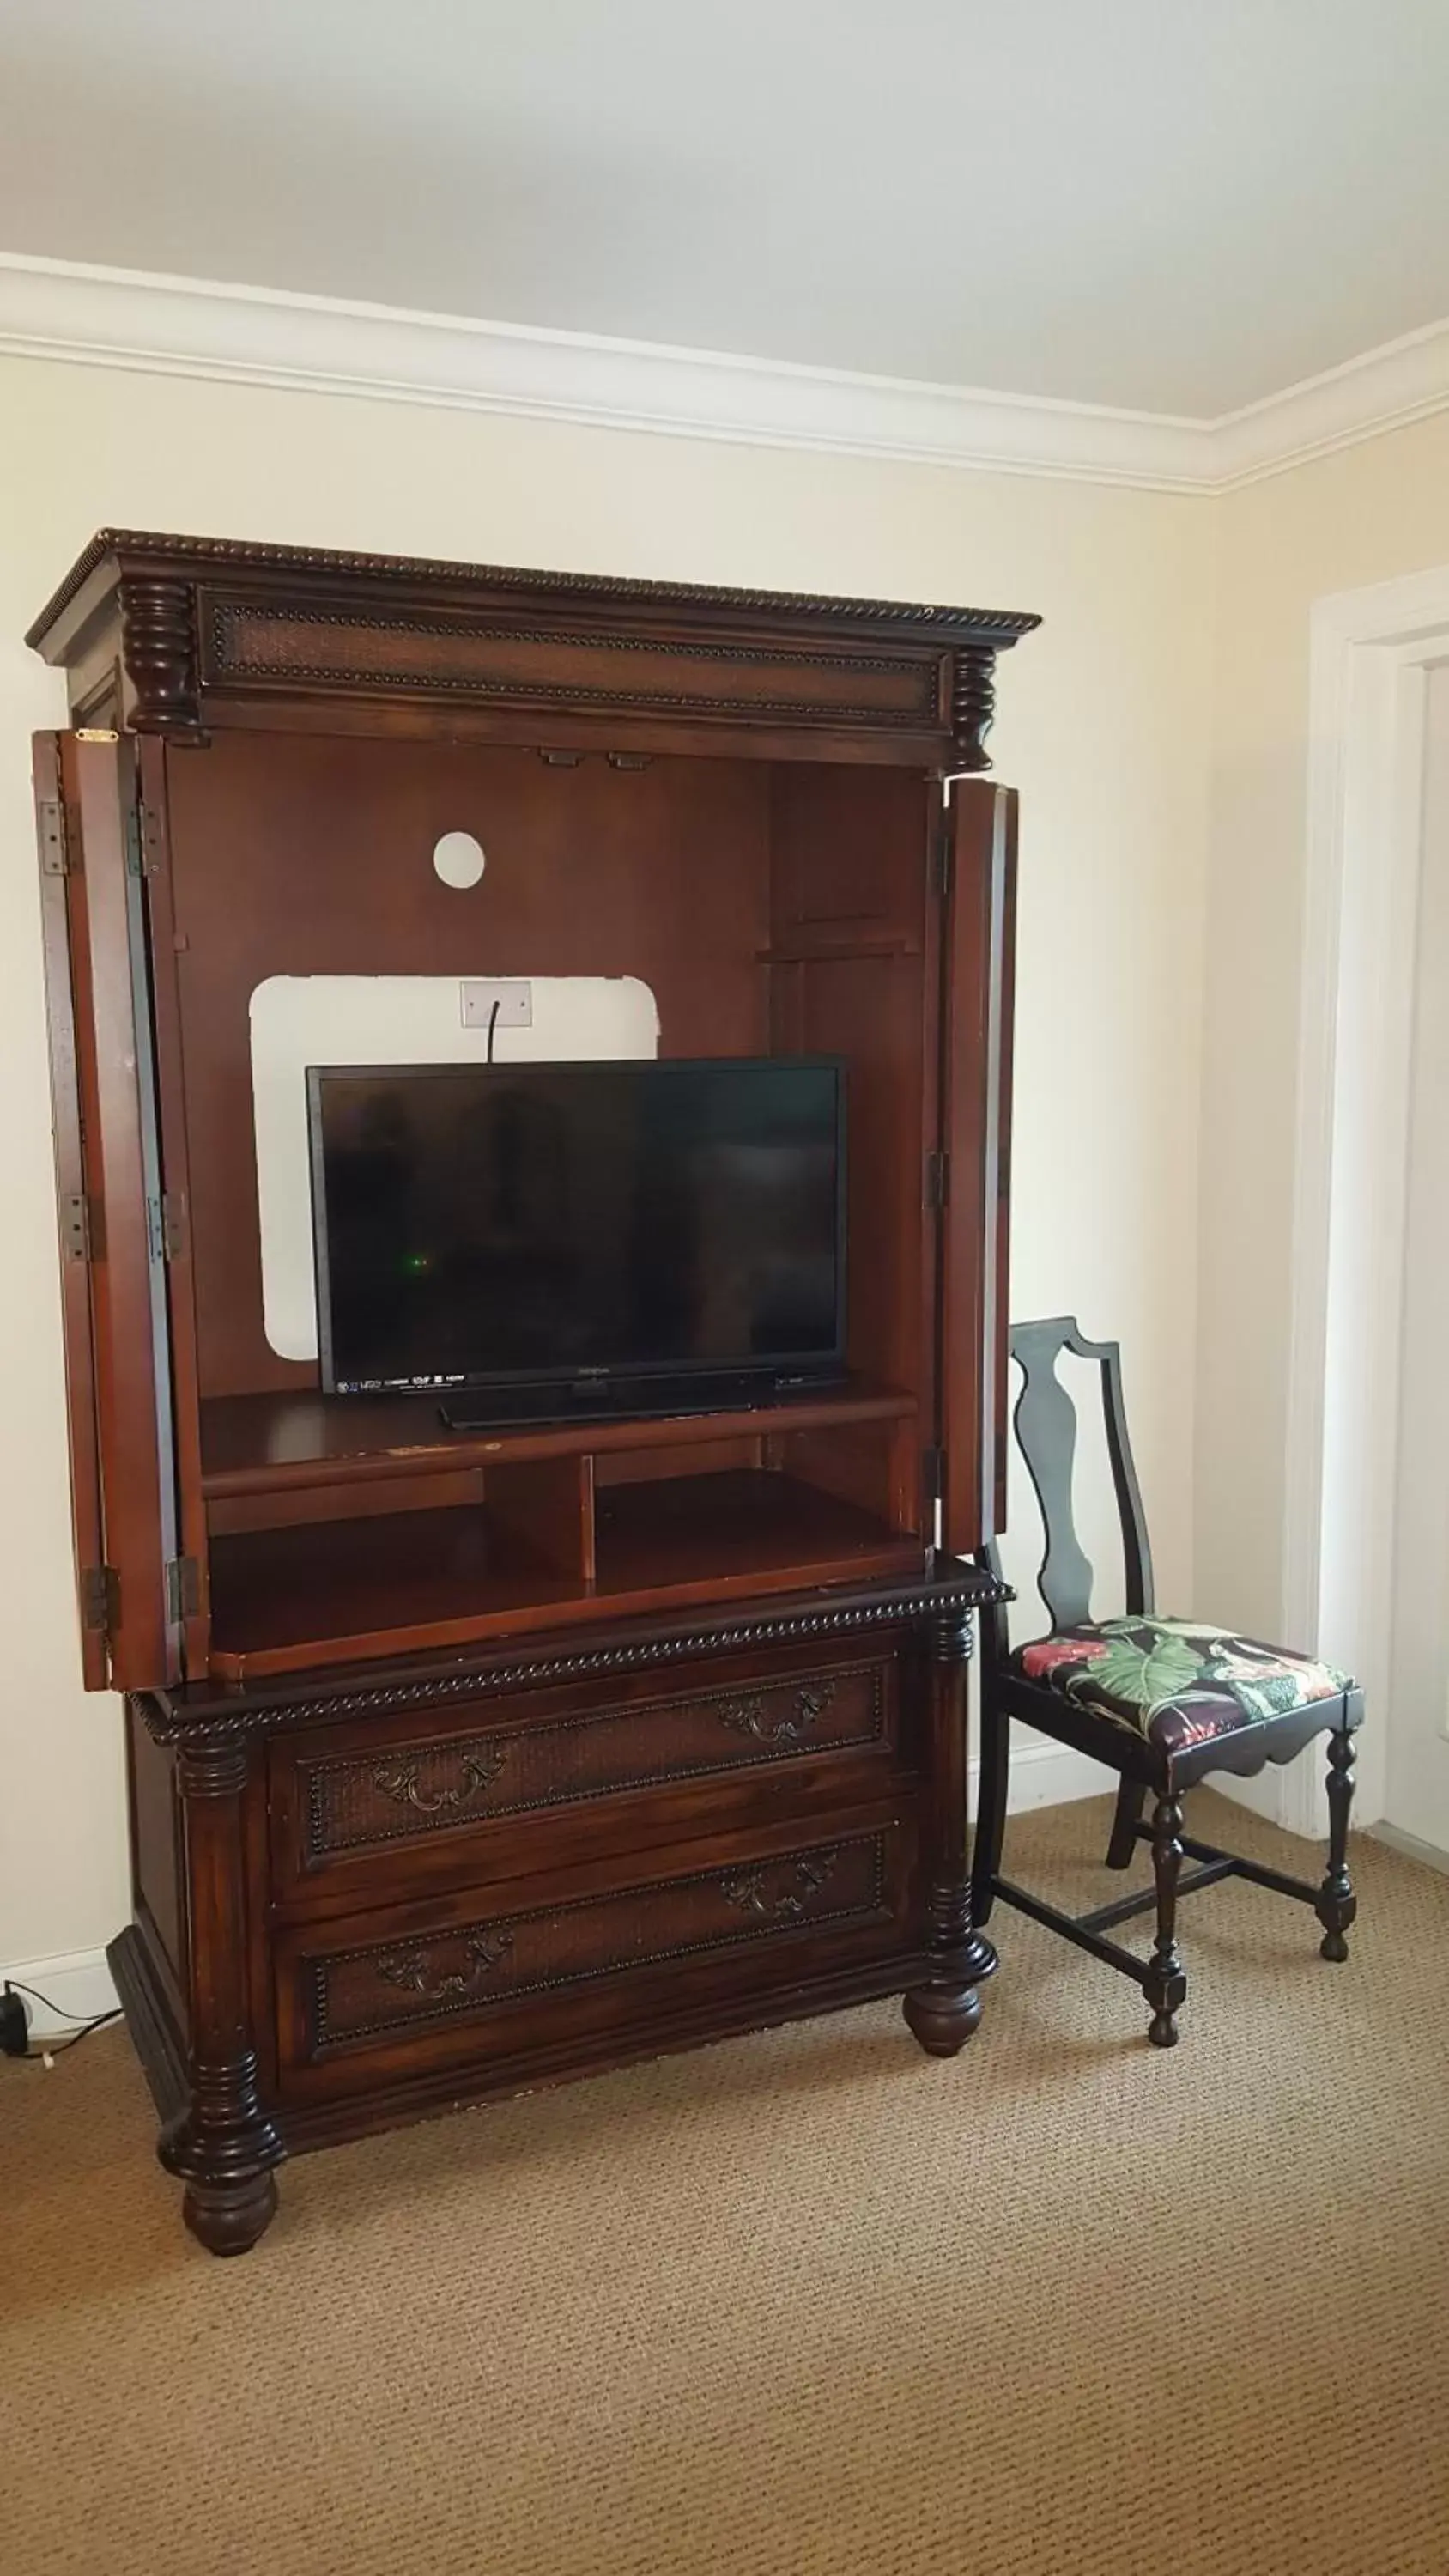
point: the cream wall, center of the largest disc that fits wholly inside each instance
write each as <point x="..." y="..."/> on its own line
<point x="1104" y="726"/>
<point x="1365" y="515"/>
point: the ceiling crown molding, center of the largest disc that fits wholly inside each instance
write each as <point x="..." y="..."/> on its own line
<point x="155" y="325"/>
<point x="1387" y="388"/>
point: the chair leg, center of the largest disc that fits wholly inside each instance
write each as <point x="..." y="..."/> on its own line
<point x="1336" y="1904"/>
<point x="1130" y="1797"/>
<point x="991" y="1787"/>
<point x="1164" y="1982"/>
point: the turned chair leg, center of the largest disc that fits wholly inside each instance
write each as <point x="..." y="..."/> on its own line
<point x="1164" y="1981"/>
<point x="1130" y="1797"/>
<point x="1336" y="1904"/>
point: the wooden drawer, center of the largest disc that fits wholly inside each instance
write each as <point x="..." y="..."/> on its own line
<point x="526" y="1969"/>
<point x="379" y="1807"/>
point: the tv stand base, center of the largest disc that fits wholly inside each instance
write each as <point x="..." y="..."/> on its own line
<point x="408" y="1888"/>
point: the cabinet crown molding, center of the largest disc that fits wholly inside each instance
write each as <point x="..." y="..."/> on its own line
<point x="206" y="632"/>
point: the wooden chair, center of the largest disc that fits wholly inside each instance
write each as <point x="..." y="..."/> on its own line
<point x="1162" y="1702"/>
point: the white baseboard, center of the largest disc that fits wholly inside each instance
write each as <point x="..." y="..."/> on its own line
<point x="1044" y="1774"/>
<point x="1410" y="1845"/>
<point x="1263" y="1793"/>
<point x="78" y="1982"/>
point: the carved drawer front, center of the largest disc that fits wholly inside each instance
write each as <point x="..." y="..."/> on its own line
<point x="503" y="1961"/>
<point x="340" y="1810"/>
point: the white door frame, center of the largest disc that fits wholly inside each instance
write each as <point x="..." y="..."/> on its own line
<point x="1370" y="653"/>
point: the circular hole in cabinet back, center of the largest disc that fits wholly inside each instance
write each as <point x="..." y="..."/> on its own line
<point x="458" y="859"/>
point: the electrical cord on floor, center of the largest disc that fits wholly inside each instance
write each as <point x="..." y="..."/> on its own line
<point x="47" y="2055"/>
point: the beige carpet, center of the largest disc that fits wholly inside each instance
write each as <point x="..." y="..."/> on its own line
<point x="804" y="2305"/>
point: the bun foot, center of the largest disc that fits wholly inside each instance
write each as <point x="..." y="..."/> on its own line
<point x="1333" y="1946"/>
<point x="942" y="2018"/>
<point x="1162" y="2030"/>
<point x="228" y="2218"/>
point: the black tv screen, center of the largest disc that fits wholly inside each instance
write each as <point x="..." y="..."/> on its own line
<point x="488" y="1225"/>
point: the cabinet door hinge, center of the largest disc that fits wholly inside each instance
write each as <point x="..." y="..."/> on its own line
<point x="100" y="1591"/>
<point x="933" y="1466"/>
<point x="54" y="856"/>
<point x="79" y="1233"/>
<point x="165" y="1228"/>
<point x="139" y="862"/>
<point x="938" y="1179"/>
<point x="183" y="1587"/>
<point x="943" y="873"/>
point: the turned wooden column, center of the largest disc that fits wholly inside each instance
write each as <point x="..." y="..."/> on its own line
<point x="223" y="2146"/>
<point x="944" y="2011"/>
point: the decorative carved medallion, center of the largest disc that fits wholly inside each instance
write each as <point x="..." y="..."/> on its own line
<point x="412" y="1969"/>
<point x="752" y="1717"/>
<point x="477" y="1772"/>
<point x="759" y="1890"/>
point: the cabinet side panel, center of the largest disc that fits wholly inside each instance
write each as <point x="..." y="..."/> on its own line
<point x="73" y="1215"/>
<point x="976" y="1134"/>
<point x="175" y="1184"/>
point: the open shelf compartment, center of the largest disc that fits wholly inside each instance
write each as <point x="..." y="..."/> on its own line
<point x="556" y="1551"/>
<point x="286" y="1442"/>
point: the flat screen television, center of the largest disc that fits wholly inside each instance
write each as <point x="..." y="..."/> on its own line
<point x="543" y="1239"/>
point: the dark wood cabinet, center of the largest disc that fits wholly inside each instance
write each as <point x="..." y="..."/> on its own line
<point x="464" y="1761"/>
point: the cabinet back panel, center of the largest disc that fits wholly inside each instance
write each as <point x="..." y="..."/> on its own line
<point x="298" y="856"/>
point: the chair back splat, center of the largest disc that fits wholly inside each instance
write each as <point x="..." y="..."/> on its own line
<point x="1046" y="1429"/>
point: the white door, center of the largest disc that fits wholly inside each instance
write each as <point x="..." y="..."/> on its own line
<point x="1418" y="1715"/>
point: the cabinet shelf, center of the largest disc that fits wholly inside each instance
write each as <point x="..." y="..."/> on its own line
<point x="262" y="1444"/>
<point x="337" y="1591"/>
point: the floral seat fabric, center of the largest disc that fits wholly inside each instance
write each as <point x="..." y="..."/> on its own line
<point x="1178" y="1682"/>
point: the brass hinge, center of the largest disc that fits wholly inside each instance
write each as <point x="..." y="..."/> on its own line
<point x="165" y="1229"/>
<point x="54" y="859"/>
<point x="183" y="1588"/>
<point x="100" y="1593"/>
<point x="139" y="862"/>
<point x="938" y="1180"/>
<point x="96" y="733"/>
<point x="78" y="1230"/>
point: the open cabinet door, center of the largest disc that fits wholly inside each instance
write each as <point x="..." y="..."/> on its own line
<point x="112" y="1235"/>
<point x="978" y="941"/>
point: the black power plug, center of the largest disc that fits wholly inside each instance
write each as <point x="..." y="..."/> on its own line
<point x="14" y="2023"/>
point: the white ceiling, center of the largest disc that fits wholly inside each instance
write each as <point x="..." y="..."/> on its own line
<point x="1181" y="206"/>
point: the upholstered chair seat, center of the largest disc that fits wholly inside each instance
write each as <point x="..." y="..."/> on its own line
<point x="1178" y="1682"/>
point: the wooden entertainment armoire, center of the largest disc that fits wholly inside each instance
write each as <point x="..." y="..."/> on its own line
<point x="465" y="1763"/>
